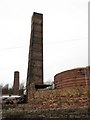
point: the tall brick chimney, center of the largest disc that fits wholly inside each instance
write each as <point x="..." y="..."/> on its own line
<point x="16" y="83"/>
<point x="35" y="58"/>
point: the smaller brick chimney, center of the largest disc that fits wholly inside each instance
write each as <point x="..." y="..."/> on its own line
<point x="16" y="83"/>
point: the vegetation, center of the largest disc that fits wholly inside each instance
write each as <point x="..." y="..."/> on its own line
<point x="5" y="89"/>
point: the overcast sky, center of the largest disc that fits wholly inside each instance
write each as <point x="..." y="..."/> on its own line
<point x="65" y="37"/>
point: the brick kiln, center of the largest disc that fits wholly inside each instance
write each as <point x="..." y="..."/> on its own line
<point x="72" y="78"/>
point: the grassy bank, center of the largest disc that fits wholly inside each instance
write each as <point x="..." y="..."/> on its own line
<point x="46" y="114"/>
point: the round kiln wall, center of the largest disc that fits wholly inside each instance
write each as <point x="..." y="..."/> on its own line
<point x="71" y="78"/>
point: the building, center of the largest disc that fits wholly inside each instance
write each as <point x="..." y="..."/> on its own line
<point x="72" y="78"/>
<point x="71" y="86"/>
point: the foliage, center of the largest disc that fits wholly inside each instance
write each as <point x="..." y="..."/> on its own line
<point x="12" y="113"/>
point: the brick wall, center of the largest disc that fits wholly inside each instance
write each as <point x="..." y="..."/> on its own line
<point x="72" y="78"/>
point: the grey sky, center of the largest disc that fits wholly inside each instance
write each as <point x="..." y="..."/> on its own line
<point x="65" y="36"/>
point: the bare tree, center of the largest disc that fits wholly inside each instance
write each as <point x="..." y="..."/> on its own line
<point x="22" y="86"/>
